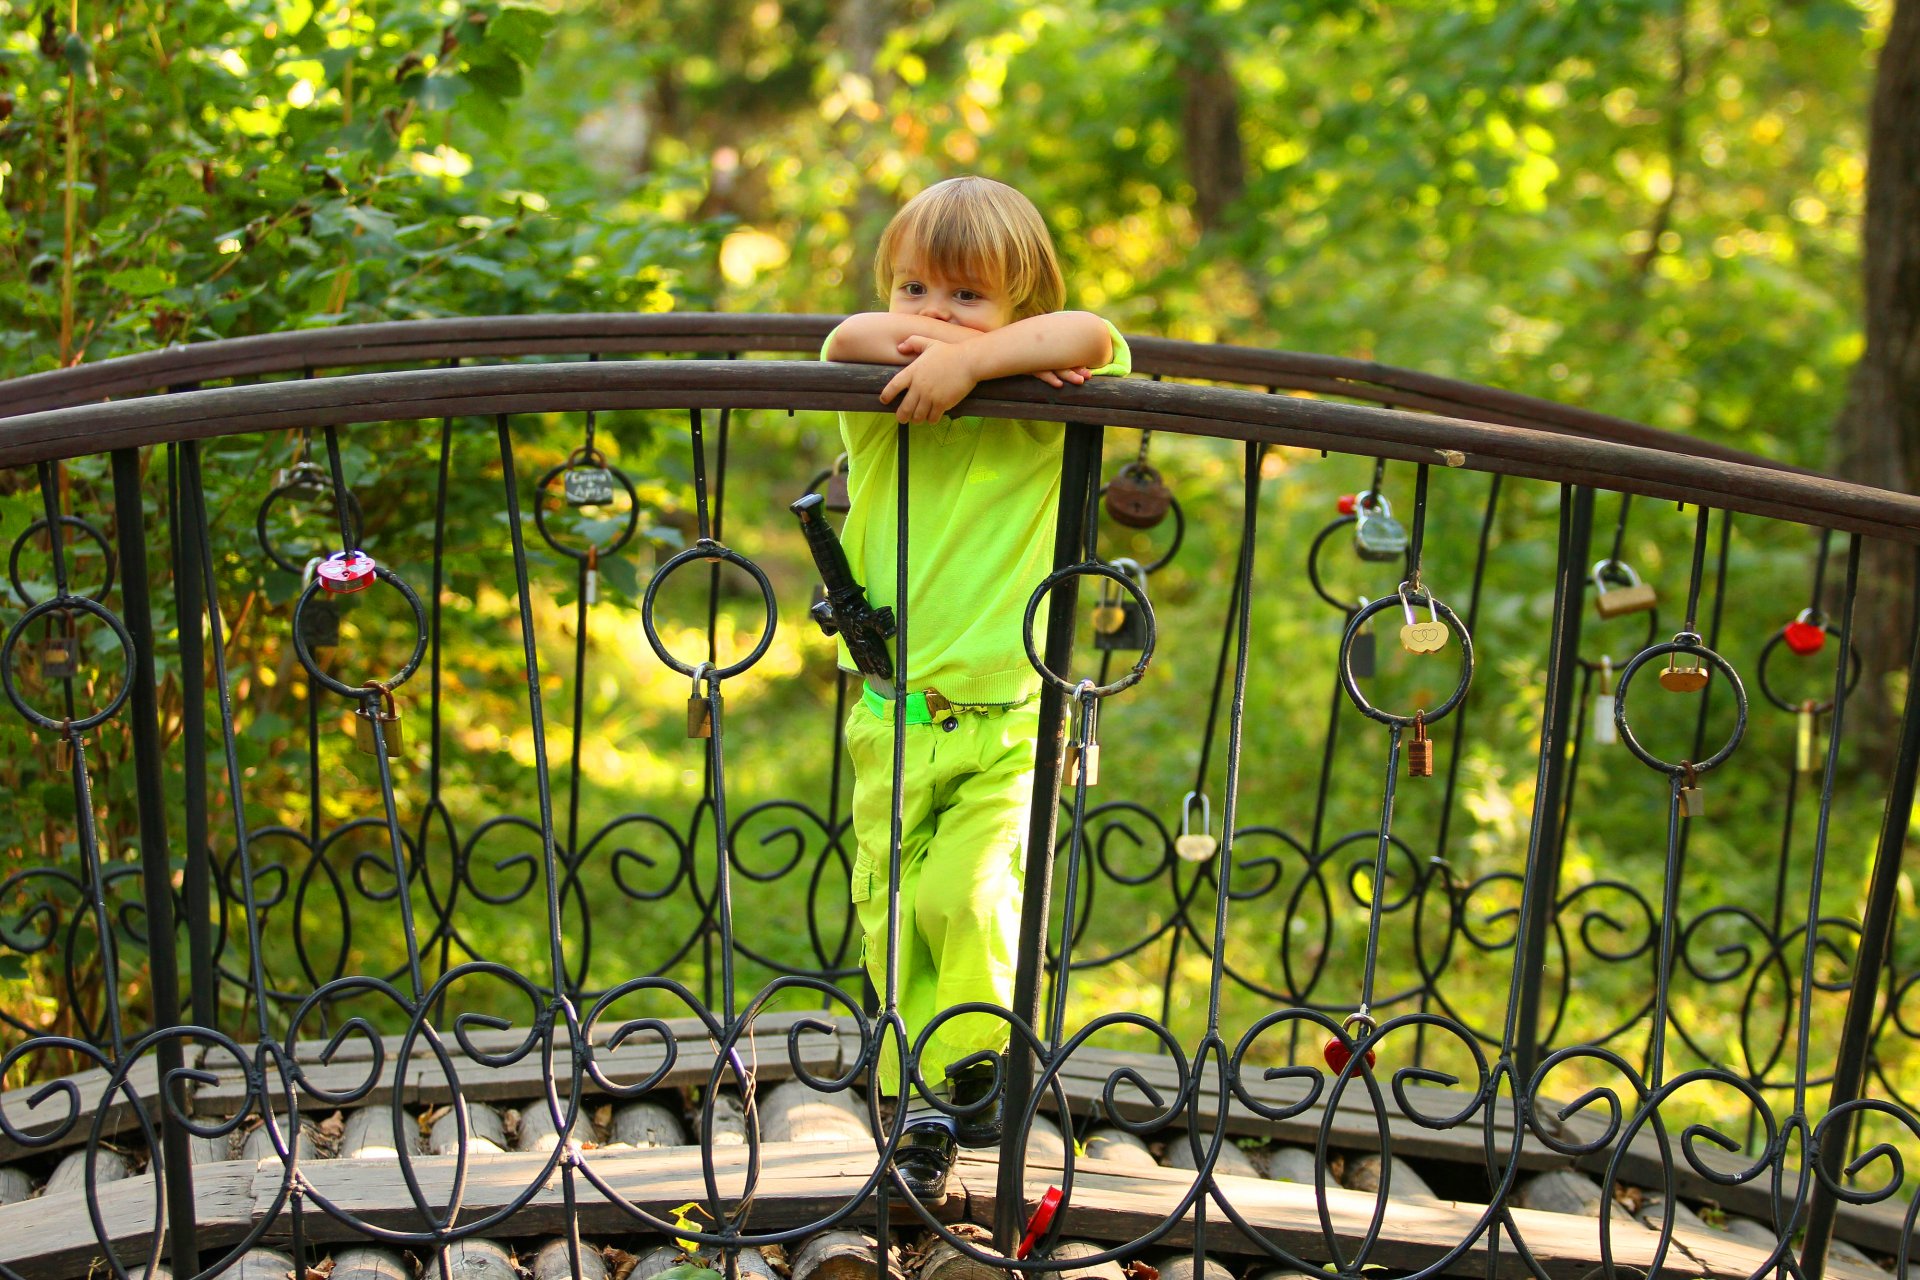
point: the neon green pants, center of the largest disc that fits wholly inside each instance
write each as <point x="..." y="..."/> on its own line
<point x="964" y="831"/>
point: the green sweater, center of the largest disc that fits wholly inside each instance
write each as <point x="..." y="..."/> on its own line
<point x="982" y="498"/>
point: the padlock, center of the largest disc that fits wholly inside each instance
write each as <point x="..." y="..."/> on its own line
<point x="59" y="657"/>
<point x="63" y="752"/>
<point x="1627" y="595"/>
<point x="1806" y="731"/>
<point x="1376" y="534"/>
<point x="1137" y="497"/>
<point x="590" y="584"/>
<point x="1119" y="621"/>
<point x="1422" y="637"/>
<point x="1605" y="731"/>
<point x="587" y="486"/>
<point x="1692" y="803"/>
<point x="699" y="710"/>
<point x="1675" y="678"/>
<point x="1191" y="845"/>
<point x="1420" y="749"/>
<point x="389" y="717"/>
<point x="1336" y="1052"/>
<point x="1804" y="635"/>
<point x="1363" y="657"/>
<point x="1076" y="753"/>
<point x="308" y="479"/>
<point x="345" y="572"/>
<point x="836" y="495"/>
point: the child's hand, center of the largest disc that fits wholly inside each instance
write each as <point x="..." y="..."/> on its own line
<point x="918" y="344"/>
<point x="939" y="378"/>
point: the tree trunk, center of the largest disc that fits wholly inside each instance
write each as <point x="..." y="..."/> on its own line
<point x="1877" y="437"/>
<point x="1209" y="121"/>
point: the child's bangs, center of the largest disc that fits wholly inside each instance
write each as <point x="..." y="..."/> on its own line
<point x="979" y="232"/>
<point x="959" y="244"/>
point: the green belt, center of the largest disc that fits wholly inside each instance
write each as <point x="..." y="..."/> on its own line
<point x="918" y="710"/>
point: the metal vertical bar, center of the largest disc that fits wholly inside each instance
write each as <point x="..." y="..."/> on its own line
<point x="197" y="877"/>
<point x="1543" y="844"/>
<point x="156" y="876"/>
<point x="1078" y="474"/>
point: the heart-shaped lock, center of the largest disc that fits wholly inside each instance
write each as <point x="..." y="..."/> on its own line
<point x="1422" y="637"/>
<point x="1336" y="1052"/>
<point x="1803" y="635"/>
<point x="1191" y="845"/>
<point x="345" y="572"/>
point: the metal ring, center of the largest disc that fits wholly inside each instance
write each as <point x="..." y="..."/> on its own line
<point x="1094" y="569"/>
<point x="20" y="543"/>
<point x="1179" y="533"/>
<point x="1821" y="708"/>
<point x="1313" y="562"/>
<point x="358" y="691"/>
<point x="575" y="462"/>
<point x="66" y="604"/>
<point x="1698" y="650"/>
<point x="707" y="549"/>
<point x="1362" y="616"/>
<point x="355" y="525"/>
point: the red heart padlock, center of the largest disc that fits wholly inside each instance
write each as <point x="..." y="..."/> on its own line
<point x="345" y="572"/>
<point x="1042" y="1219"/>
<point x="1804" y="637"/>
<point x="1348" y="504"/>
<point x="1338" y="1055"/>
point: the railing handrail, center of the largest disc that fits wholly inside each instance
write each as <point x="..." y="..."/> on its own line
<point x="812" y="385"/>
<point x="721" y="333"/>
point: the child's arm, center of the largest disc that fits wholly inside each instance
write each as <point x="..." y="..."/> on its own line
<point x="874" y="337"/>
<point x="943" y="373"/>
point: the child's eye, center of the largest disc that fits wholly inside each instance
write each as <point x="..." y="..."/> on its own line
<point x="967" y="295"/>
<point x="913" y="288"/>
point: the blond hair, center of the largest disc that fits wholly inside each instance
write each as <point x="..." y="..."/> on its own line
<point x="975" y="229"/>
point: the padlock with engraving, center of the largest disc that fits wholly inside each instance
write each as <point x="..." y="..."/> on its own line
<point x="386" y="712"/>
<point x="1376" y="534"/>
<point x="1605" y="731"/>
<point x="699" y="710"/>
<point x="587" y="486"/>
<point x="1422" y="637"/>
<point x="1191" y="845"/>
<point x="1806" y="733"/>
<point x="1125" y="621"/>
<point x="1693" y="803"/>
<point x="837" y="497"/>
<point x="1420" y="749"/>
<point x="1618" y="591"/>
<point x="1138" y="498"/>
<point x="1363" y="656"/>
<point x="1683" y="675"/>
<point x="345" y="572"/>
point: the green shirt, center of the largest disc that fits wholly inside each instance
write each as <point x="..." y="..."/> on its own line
<point x="982" y="497"/>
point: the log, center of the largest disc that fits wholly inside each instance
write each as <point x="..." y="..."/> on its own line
<point x="262" y="1264"/>
<point x="536" y="1132"/>
<point x="1363" y="1174"/>
<point x="1044" y="1143"/>
<point x="259" y="1144"/>
<point x="1179" y="1266"/>
<point x="1653" y="1211"/>
<point x="15" y="1185"/>
<point x="1233" y="1162"/>
<point x="647" y="1124"/>
<point x="1118" y="1146"/>
<point x="1562" y="1191"/>
<point x="841" y="1255"/>
<point x="554" y="1263"/>
<point x="486" y="1132"/>
<point x="1067" y="1250"/>
<point x="71" y="1173"/>
<point x="791" y="1112"/>
<point x="1292" y="1164"/>
<point x="729" y="1121"/>
<point x="751" y="1264"/>
<point x="369" y="1135"/>
<point x="209" y="1150"/>
<point x="656" y="1260"/>
<point x="370" y="1264"/>
<point x="944" y="1262"/>
<point x="475" y="1260"/>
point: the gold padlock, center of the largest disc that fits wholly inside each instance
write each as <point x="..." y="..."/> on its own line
<point x="1191" y="845"/>
<point x="1693" y="803"/>
<point x="1624" y="597"/>
<point x="1420" y="749"/>
<point x="1678" y="679"/>
<point x="699" y="711"/>
<point x="389" y="718"/>
<point x="1077" y="753"/>
<point x="1806" y="732"/>
<point x="1422" y="637"/>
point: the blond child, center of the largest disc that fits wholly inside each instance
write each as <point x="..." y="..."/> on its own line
<point x="973" y="291"/>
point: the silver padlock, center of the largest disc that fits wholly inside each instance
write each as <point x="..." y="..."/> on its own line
<point x="1376" y="534"/>
<point x="1191" y="845"/>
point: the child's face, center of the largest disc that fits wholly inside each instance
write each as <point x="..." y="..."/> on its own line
<point x="920" y="291"/>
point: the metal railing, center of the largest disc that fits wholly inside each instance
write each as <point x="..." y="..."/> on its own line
<point x="1298" y="977"/>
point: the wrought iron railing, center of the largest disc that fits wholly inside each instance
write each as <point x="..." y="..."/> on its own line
<point x="1305" y="964"/>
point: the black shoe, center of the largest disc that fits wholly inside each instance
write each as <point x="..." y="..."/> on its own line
<point x="924" y="1158"/>
<point x="974" y="1087"/>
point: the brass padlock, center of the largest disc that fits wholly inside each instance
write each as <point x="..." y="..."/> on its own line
<point x="1675" y="678"/>
<point x="389" y="719"/>
<point x="1627" y="594"/>
<point x="1376" y="534"/>
<point x="59" y="659"/>
<point x="1138" y="498"/>
<point x="699" y="710"/>
<point x="63" y="753"/>
<point x="1076" y="753"/>
<point x="1191" y="845"/>
<point x="1422" y="637"/>
<point x="1692" y="802"/>
<point x="1420" y="749"/>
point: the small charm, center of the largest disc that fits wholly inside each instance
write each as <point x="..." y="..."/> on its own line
<point x="587" y="486"/>
<point x="1692" y="803"/>
<point x="388" y="716"/>
<point x="1420" y="749"/>
<point x="1805" y="732"/>
<point x="1803" y="635"/>
<point x="1626" y="594"/>
<point x="1138" y="498"/>
<point x="345" y="572"/>
<point x="1605" y="731"/>
<point x="1191" y="845"/>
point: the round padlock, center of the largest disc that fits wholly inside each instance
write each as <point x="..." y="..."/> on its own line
<point x="345" y="572"/>
<point x="1138" y="498"/>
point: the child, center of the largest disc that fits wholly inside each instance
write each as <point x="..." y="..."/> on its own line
<point x="973" y="292"/>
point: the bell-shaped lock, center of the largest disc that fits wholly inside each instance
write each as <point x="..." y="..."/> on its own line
<point x="1618" y="591"/>
<point x="1191" y="845"/>
<point x="386" y="713"/>
<point x="1376" y="534"/>
<point x="1138" y="498"/>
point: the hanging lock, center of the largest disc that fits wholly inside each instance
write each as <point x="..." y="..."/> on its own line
<point x="1676" y="678"/>
<point x="836" y="495"/>
<point x="1363" y="657"/>
<point x="699" y="710"/>
<point x="1605" y="731"/>
<point x="305" y="478"/>
<point x="1119" y="621"/>
<point x="319" y="621"/>
<point x="1137" y="497"/>
<point x="1420" y="749"/>
<point x="1086" y="750"/>
<point x="1422" y="637"/>
<point x="1805" y="635"/>
<point x="1805" y="736"/>
<point x="388" y="715"/>
<point x="1626" y="594"/>
<point x="590" y="583"/>
<point x="345" y="572"/>
<point x="63" y="752"/>
<point x="1693" y="802"/>
<point x="1357" y="1027"/>
<point x="1376" y="534"/>
<point x="588" y="484"/>
<point x="60" y="653"/>
<point x="1191" y="845"/>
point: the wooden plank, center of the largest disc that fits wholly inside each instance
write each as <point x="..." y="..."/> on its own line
<point x="52" y="1239"/>
<point x="144" y="1080"/>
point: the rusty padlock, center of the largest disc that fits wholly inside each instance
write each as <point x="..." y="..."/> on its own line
<point x="1137" y="497"/>
<point x="388" y="717"/>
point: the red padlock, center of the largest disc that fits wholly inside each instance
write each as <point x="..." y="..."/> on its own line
<point x="1804" y="637"/>
<point x="1041" y="1220"/>
<point x="1348" y="504"/>
<point x="1336" y="1052"/>
<point x="345" y="572"/>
